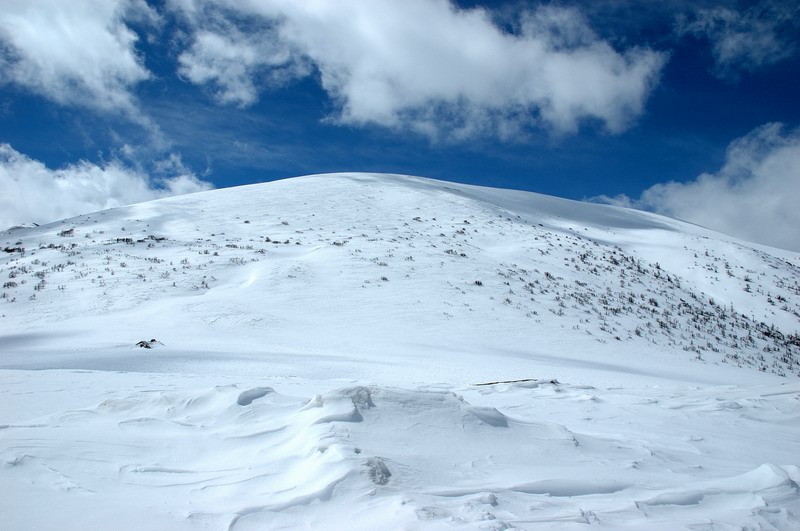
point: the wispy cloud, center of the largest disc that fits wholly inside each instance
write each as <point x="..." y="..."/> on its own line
<point x="78" y="52"/>
<point x="237" y="65"/>
<point x="746" y="40"/>
<point x="422" y="65"/>
<point x="754" y="195"/>
<point x="34" y="193"/>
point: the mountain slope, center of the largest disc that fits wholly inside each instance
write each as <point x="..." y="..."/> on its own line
<point x="362" y="351"/>
<point x="348" y="263"/>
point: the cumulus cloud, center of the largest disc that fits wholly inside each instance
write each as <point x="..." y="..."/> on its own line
<point x="746" y="40"/>
<point x="33" y="193"/>
<point x="423" y="65"/>
<point x="754" y="195"/>
<point x="76" y="52"/>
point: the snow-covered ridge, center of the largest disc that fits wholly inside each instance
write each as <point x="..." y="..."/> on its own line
<point x="352" y="259"/>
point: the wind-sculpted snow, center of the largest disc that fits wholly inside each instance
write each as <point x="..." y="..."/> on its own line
<point x="355" y="457"/>
<point x="366" y="351"/>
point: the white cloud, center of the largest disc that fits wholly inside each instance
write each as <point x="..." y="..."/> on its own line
<point x="745" y="40"/>
<point x="75" y="52"/>
<point x="424" y="65"/>
<point x="33" y="193"/>
<point x="232" y="63"/>
<point x="754" y="195"/>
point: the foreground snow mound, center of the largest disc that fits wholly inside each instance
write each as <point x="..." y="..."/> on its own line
<point x="356" y="457"/>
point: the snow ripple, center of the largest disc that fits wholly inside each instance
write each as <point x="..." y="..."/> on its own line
<point x="489" y="458"/>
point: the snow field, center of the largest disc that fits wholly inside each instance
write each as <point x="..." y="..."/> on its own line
<point x="319" y="345"/>
<point x="531" y="455"/>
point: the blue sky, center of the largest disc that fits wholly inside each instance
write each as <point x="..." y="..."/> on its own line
<point x="684" y="108"/>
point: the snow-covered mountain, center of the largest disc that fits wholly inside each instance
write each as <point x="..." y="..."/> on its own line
<point x="316" y="346"/>
<point x="394" y="266"/>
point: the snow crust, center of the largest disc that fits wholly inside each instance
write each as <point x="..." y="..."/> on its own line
<point x="314" y="349"/>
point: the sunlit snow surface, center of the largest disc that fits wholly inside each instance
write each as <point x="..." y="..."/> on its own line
<point x="319" y="345"/>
